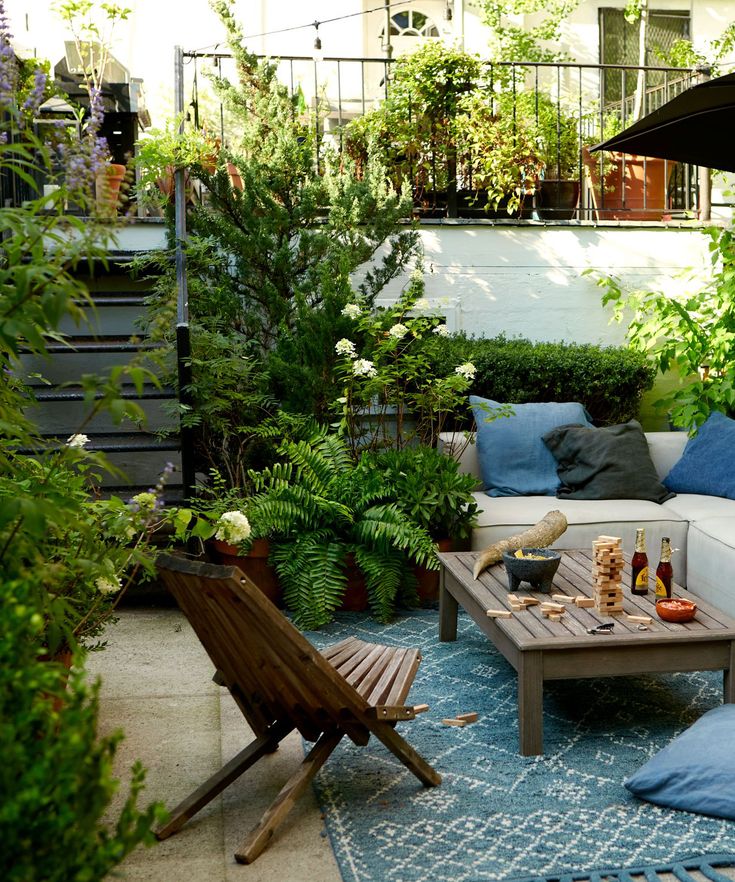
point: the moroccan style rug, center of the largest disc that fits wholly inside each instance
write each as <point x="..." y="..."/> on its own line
<point x="498" y="815"/>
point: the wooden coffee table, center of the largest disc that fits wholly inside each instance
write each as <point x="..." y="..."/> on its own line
<point x="540" y="649"/>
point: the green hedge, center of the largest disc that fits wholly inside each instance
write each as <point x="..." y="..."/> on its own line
<point x="608" y="380"/>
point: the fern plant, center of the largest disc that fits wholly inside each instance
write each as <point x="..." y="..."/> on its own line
<point x="321" y="507"/>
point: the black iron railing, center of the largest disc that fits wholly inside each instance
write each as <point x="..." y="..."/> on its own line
<point x="335" y="91"/>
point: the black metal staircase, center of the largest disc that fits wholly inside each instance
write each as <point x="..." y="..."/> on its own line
<point x="109" y="338"/>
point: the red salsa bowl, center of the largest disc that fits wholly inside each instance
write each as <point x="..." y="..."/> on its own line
<point x="675" y="609"/>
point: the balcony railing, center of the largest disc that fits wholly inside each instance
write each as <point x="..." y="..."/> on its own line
<point x="563" y="107"/>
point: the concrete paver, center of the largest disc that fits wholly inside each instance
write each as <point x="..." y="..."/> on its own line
<point x="156" y="687"/>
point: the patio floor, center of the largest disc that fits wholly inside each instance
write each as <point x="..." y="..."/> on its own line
<point x="156" y="687"/>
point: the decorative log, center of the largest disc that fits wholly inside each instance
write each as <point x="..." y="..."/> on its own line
<point x="540" y="535"/>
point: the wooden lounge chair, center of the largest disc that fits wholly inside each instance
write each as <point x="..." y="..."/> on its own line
<point x="281" y="683"/>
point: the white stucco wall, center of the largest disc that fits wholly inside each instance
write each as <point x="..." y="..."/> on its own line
<point x="527" y="280"/>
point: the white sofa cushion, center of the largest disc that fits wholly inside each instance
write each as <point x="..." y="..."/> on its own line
<point x="711" y="561"/>
<point x="695" y="507"/>
<point x="502" y="517"/>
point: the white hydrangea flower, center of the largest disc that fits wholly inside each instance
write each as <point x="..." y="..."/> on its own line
<point x="352" y="310"/>
<point x="466" y="370"/>
<point x="364" y="368"/>
<point x="441" y="330"/>
<point x="77" y="440"/>
<point x="233" y="527"/>
<point x="345" y="347"/>
<point x="108" y="584"/>
<point x="417" y="275"/>
<point x="422" y="303"/>
<point x="145" y="500"/>
<point x="398" y="331"/>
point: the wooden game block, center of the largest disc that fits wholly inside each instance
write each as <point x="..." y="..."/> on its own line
<point x="529" y="601"/>
<point x="552" y="607"/>
<point x="499" y="613"/>
<point x="616" y="540"/>
<point x="517" y="607"/>
<point x="550" y="614"/>
<point x="610" y="607"/>
<point x="454" y="723"/>
<point x="583" y="601"/>
<point x="641" y="620"/>
<point x="420" y="708"/>
<point x="562" y="598"/>
<point x="514" y="598"/>
<point x="470" y="717"/>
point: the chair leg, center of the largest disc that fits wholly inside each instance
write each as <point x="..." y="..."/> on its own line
<point x="262" y="833"/>
<point x="410" y="758"/>
<point x="223" y="778"/>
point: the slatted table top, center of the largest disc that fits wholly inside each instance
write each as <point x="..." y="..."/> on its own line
<point x="528" y="630"/>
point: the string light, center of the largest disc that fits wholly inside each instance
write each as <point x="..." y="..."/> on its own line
<point x="311" y="24"/>
<point x="318" y="54"/>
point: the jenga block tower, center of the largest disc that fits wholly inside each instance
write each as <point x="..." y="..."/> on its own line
<point x="607" y="574"/>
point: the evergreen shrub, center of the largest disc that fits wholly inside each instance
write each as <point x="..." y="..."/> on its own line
<point x="608" y="380"/>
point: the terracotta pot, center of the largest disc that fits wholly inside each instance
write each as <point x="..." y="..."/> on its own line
<point x="235" y="178"/>
<point x="255" y="565"/>
<point x="427" y="581"/>
<point x="107" y="189"/>
<point x="635" y="187"/>
<point x="356" y="596"/>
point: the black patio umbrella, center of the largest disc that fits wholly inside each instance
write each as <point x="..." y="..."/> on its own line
<point x="698" y="127"/>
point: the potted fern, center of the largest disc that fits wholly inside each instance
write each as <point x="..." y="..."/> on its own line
<point x="324" y="511"/>
<point x="428" y="488"/>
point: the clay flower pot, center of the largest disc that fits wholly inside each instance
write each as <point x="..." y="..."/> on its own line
<point x="107" y="189"/>
<point x="254" y="564"/>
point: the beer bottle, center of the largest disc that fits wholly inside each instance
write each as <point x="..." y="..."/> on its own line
<point x="664" y="571"/>
<point x="639" y="580"/>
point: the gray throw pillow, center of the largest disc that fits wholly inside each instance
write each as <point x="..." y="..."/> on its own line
<point x="608" y="463"/>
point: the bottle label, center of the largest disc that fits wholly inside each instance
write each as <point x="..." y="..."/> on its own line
<point x="641" y="580"/>
<point x="661" y="590"/>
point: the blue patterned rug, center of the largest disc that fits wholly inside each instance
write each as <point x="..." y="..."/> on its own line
<point x="498" y="815"/>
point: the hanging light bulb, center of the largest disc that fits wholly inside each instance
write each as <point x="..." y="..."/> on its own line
<point x="317" y="54"/>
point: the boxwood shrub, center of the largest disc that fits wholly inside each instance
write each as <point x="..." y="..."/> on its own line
<point x="608" y="380"/>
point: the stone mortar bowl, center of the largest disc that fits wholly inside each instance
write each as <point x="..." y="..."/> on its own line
<point x="540" y="573"/>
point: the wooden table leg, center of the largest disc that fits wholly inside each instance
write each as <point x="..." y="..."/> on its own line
<point x="447" y="611"/>
<point x="530" y="703"/>
<point x="728" y="678"/>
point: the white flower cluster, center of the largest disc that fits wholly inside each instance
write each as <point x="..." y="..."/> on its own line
<point x="352" y="310"/>
<point x="422" y="304"/>
<point x="110" y="585"/>
<point x="345" y="347"/>
<point x="77" y="440"/>
<point x="364" y="368"/>
<point x="466" y="370"/>
<point x="398" y="331"/>
<point x="441" y="330"/>
<point x="233" y="527"/>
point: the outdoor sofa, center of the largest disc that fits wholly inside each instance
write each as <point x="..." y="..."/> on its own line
<point x="701" y="526"/>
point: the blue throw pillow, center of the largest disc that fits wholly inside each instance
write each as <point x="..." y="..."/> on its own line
<point x="696" y="772"/>
<point x="706" y="464"/>
<point x="514" y="461"/>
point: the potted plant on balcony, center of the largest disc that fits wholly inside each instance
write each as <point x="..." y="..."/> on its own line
<point x="559" y="141"/>
<point x="498" y="153"/>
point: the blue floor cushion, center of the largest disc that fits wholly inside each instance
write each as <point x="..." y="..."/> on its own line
<point x="696" y="771"/>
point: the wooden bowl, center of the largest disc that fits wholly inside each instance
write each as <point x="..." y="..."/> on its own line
<point x="675" y="609"/>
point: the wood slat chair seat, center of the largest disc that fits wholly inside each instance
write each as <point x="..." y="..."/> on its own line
<point x="281" y="682"/>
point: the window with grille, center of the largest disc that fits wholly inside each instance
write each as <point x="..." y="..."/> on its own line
<point x="619" y="45"/>
<point x="411" y="24"/>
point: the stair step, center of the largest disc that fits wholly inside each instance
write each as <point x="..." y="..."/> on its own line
<point x="129" y="393"/>
<point x="101" y="343"/>
<point x="121" y="442"/>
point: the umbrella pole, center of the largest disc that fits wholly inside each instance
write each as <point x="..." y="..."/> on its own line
<point x="705" y="175"/>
